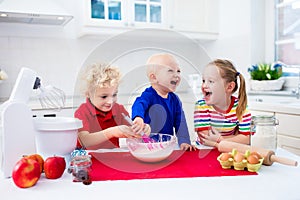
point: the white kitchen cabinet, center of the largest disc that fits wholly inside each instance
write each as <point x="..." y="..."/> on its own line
<point x="124" y="15"/>
<point x="288" y="134"/>
<point x="104" y="13"/>
<point x="198" y="18"/>
<point x="288" y="143"/>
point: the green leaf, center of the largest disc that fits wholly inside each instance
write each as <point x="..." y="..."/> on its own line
<point x="264" y="71"/>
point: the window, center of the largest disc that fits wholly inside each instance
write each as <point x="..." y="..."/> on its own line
<point x="287" y="35"/>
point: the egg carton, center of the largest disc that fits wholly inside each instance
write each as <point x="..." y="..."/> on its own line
<point x="242" y="165"/>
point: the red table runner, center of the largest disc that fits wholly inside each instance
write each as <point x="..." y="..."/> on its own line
<point x="180" y="164"/>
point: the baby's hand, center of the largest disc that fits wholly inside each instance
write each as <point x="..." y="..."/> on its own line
<point x="138" y="125"/>
<point x="147" y="129"/>
<point x="187" y="147"/>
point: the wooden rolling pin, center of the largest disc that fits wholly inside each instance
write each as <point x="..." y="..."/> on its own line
<point x="268" y="155"/>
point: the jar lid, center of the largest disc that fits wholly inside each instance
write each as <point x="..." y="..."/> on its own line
<point x="264" y="119"/>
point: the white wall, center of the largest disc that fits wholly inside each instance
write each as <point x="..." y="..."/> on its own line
<point x="57" y="55"/>
<point x="234" y="42"/>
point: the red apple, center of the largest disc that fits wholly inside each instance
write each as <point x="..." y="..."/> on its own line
<point x="39" y="159"/>
<point x="26" y="172"/>
<point x="54" y="167"/>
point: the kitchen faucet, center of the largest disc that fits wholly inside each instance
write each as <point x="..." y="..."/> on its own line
<point x="297" y="90"/>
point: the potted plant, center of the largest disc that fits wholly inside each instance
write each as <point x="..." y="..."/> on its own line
<point x="266" y="76"/>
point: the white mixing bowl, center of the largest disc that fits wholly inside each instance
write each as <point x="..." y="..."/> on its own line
<point x="56" y="135"/>
<point x="157" y="148"/>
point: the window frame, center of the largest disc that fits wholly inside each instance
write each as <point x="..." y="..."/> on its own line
<point x="291" y="69"/>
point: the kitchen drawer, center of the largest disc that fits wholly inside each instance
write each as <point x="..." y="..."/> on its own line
<point x="288" y="125"/>
<point x="289" y="143"/>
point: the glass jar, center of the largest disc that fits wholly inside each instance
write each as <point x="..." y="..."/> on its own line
<point x="80" y="167"/>
<point x="263" y="132"/>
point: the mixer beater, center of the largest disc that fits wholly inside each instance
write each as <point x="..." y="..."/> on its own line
<point x="50" y="97"/>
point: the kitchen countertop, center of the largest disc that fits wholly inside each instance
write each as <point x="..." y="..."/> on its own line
<point x="272" y="182"/>
<point x="285" y="93"/>
<point x="274" y="103"/>
<point x="273" y="107"/>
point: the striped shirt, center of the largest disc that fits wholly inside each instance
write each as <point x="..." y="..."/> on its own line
<point x="226" y="123"/>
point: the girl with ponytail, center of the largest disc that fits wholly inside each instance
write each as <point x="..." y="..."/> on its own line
<point x="222" y="114"/>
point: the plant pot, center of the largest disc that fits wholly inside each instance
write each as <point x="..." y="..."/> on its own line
<point x="266" y="85"/>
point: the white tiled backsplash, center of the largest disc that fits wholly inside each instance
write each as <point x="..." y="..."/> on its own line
<point x="58" y="61"/>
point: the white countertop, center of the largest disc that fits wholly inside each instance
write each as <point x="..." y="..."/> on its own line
<point x="272" y="182"/>
<point x="273" y="103"/>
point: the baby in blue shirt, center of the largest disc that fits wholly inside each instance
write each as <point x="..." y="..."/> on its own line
<point x="158" y="105"/>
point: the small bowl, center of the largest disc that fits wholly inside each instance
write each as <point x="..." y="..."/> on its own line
<point x="160" y="147"/>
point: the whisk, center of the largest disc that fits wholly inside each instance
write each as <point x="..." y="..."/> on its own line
<point x="50" y="96"/>
<point x="145" y="138"/>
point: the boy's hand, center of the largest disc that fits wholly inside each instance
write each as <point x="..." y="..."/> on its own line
<point x="187" y="147"/>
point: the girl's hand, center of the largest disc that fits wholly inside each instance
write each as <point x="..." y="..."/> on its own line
<point x="210" y="137"/>
<point x="214" y="135"/>
<point x="202" y="135"/>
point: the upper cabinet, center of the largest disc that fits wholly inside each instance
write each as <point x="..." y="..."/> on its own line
<point x="103" y="13"/>
<point x="125" y="14"/>
<point x="197" y="18"/>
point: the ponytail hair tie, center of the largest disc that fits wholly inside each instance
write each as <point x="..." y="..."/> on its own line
<point x="237" y="74"/>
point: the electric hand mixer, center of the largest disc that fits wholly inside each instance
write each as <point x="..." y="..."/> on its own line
<point x="18" y="132"/>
